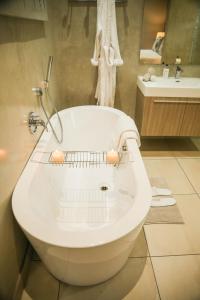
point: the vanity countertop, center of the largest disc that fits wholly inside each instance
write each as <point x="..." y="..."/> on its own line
<point x="185" y="87"/>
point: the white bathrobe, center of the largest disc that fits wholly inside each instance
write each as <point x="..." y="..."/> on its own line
<point x="106" y="53"/>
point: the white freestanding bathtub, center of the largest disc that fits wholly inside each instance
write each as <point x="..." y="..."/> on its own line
<point x="83" y="234"/>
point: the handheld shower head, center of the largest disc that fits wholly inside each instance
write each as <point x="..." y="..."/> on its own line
<point x="50" y="62"/>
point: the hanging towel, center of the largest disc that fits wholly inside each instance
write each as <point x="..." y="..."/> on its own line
<point x="106" y="52"/>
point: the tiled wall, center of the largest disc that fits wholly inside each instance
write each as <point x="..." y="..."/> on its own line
<point x="73" y="33"/>
<point x="73" y="29"/>
<point x="24" y="51"/>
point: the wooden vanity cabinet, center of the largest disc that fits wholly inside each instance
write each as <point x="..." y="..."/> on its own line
<point x="167" y="116"/>
<point x="191" y="120"/>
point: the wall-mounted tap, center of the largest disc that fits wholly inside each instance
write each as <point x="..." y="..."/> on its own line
<point x="34" y="121"/>
<point x="37" y="91"/>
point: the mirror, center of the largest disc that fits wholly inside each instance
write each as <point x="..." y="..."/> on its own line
<point x="31" y="9"/>
<point x="170" y="28"/>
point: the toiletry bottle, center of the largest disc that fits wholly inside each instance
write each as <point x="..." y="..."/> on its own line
<point x="178" y="60"/>
<point x="166" y="71"/>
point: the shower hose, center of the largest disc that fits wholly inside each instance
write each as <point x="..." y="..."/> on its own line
<point x="48" y="98"/>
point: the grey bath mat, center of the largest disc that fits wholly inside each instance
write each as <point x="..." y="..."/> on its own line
<point x="163" y="215"/>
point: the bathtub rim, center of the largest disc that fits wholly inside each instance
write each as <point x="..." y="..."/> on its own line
<point x="117" y="232"/>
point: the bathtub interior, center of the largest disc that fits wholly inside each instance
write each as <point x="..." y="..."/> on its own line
<point x="87" y="129"/>
<point x="72" y="198"/>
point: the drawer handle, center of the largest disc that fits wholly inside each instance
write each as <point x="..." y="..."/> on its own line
<point x="176" y="101"/>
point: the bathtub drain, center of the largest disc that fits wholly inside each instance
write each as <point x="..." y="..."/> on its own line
<point x="104" y="188"/>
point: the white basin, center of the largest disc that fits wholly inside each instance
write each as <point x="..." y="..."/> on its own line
<point x="186" y="87"/>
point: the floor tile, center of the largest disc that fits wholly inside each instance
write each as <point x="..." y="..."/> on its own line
<point x="181" y="144"/>
<point x="187" y="154"/>
<point x="169" y="147"/>
<point x="172" y="172"/>
<point x="178" y="277"/>
<point x="140" y="249"/>
<point x="135" y="281"/>
<point x="156" y="155"/>
<point x="154" y="144"/>
<point x="191" y="167"/>
<point x="34" y="255"/>
<point x="167" y="154"/>
<point x="196" y="141"/>
<point x="176" y="239"/>
<point x="41" y="285"/>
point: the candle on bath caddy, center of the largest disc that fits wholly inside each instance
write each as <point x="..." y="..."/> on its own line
<point x="112" y="157"/>
<point x="58" y="157"/>
<point x="3" y="154"/>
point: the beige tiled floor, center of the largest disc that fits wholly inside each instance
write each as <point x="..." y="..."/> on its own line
<point x="191" y="167"/>
<point x="128" y="284"/>
<point x="177" y="239"/>
<point x="141" y="248"/>
<point x="40" y="284"/>
<point x="173" y="174"/>
<point x="178" y="277"/>
<point x="168" y="269"/>
<point x="170" y="147"/>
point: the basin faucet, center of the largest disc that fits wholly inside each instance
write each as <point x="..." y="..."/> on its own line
<point x="178" y="72"/>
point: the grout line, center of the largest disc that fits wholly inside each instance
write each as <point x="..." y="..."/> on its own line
<point x="168" y="255"/>
<point x="152" y="267"/>
<point x="169" y="157"/>
<point x="175" y="255"/>
<point x="24" y="256"/>
<point x="58" y="296"/>
<point x="158" y="158"/>
<point x="184" y="157"/>
<point x="38" y="261"/>
<point x="174" y="194"/>
<point x="186" y="175"/>
<point x="35" y="259"/>
<point x="147" y="256"/>
<point x="188" y="157"/>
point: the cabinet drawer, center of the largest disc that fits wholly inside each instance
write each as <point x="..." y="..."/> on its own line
<point x="191" y="121"/>
<point x="162" y="116"/>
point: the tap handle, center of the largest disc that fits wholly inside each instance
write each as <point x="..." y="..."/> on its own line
<point x="37" y="91"/>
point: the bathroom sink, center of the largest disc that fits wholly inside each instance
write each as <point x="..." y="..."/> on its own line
<point x="170" y="87"/>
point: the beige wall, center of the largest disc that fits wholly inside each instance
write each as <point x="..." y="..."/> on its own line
<point x="23" y="54"/>
<point x="73" y="29"/>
